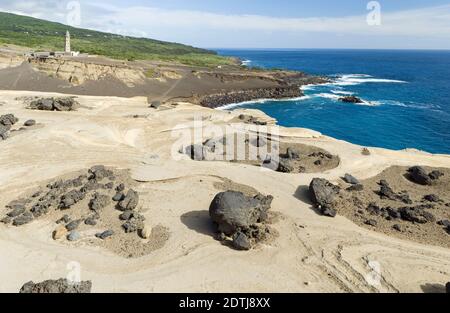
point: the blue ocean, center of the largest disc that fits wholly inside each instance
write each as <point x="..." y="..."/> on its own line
<point x="406" y="95"/>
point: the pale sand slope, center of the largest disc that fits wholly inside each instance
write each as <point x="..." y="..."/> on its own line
<point x="331" y="255"/>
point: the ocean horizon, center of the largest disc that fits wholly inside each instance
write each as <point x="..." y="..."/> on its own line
<point x="405" y="93"/>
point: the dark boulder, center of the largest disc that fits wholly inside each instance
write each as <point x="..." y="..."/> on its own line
<point x="323" y="194"/>
<point x="130" y="201"/>
<point x="351" y="99"/>
<point x="119" y="196"/>
<point x="447" y="287"/>
<point x="349" y="179"/>
<point x="54" y="104"/>
<point x="57" y="286"/>
<point x="42" y="104"/>
<point x="29" y="123"/>
<point x="416" y="215"/>
<point x="233" y="211"/>
<point x="431" y="198"/>
<point x="420" y="176"/>
<point x="73" y="225"/>
<point x="8" y="120"/>
<point x="105" y="234"/>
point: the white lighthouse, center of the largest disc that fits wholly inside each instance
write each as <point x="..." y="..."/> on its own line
<point x="67" y="49"/>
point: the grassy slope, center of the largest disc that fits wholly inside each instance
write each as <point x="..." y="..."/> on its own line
<point x="43" y="35"/>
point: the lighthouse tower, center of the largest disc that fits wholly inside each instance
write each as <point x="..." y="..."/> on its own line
<point x="67" y="47"/>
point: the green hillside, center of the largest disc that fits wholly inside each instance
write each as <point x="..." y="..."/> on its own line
<point x="43" y="35"/>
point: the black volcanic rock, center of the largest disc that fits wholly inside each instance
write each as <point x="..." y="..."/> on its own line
<point x="351" y="99"/>
<point x="57" y="286"/>
<point x="54" y="104"/>
<point x="323" y="194"/>
<point x="221" y="99"/>
<point x="420" y="176"/>
<point x="233" y="211"/>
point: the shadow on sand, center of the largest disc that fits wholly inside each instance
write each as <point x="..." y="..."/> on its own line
<point x="433" y="288"/>
<point x="302" y="194"/>
<point x="199" y="221"/>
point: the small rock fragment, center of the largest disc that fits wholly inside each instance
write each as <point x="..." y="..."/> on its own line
<point x="73" y="225"/>
<point x="29" y="123"/>
<point x="371" y="223"/>
<point x="241" y="242"/>
<point x="119" y="196"/>
<point x="431" y="198"/>
<point x="59" y="232"/>
<point x="349" y="179"/>
<point x="65" y="219"/>
<point x="105" y="234"/>
<point x="73" y="236"/>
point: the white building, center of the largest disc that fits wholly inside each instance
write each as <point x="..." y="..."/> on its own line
<point x="67" y="45"/>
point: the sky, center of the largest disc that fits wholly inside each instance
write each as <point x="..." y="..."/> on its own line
<point x="382" y="24"/>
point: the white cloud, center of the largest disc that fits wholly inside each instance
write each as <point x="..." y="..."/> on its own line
<point x="206" y="28"/>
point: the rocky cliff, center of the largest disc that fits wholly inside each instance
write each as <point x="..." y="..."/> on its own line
<point x="78" y="72"/>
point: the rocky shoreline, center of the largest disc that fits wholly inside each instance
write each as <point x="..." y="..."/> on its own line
<point x="221" y="99"/>
<point x="289" y="87"/>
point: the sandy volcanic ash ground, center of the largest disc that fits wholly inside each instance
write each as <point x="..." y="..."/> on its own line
<point x="311" y="252"/>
